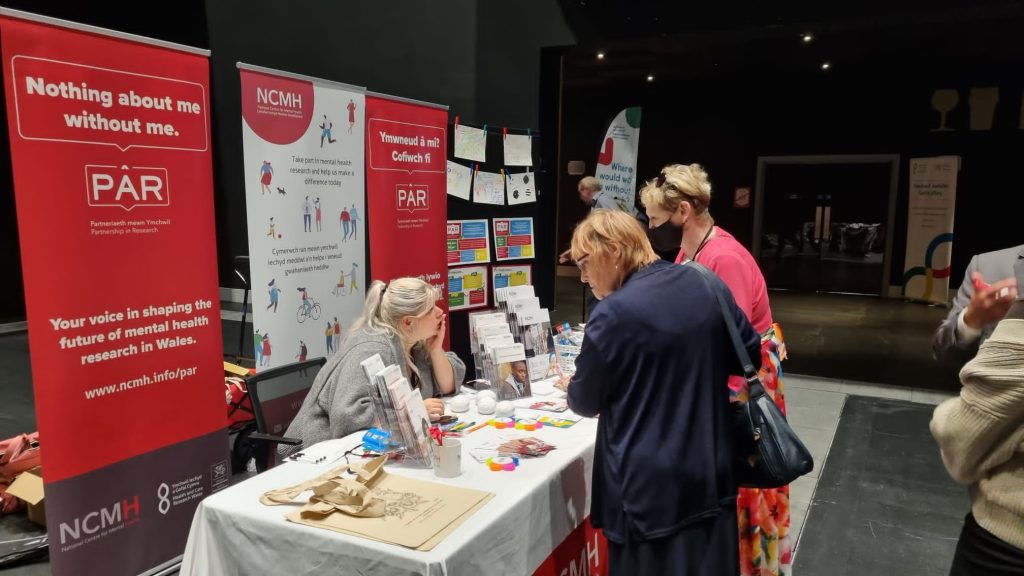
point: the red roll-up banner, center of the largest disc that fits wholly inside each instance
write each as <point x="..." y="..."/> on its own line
<point x="110" y="148"/>
<point x="406" y="163"/>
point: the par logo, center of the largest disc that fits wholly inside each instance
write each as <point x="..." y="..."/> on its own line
<point x="126" y="187"/>
<point x="412" y="197"/>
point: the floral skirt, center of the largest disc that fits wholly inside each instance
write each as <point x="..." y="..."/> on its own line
<point x="763" y="514"/>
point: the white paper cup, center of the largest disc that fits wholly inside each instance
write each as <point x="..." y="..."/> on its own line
<point x="448" y="459"/>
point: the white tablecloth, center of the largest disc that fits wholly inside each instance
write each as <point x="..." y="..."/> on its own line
<point x="534" y="509"/>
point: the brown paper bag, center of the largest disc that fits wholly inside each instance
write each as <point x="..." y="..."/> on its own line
<point x="383" y="507"/>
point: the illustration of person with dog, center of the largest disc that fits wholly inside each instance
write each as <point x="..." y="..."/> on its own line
<point x="351" y="115"/>
<point x="274" y="292"/>
<point x="325" y="133"/>
<point x="272" y="233"/>
<point x="266" y="175"/>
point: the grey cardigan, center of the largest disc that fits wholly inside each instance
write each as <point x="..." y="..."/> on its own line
<point x="339" y="404"/>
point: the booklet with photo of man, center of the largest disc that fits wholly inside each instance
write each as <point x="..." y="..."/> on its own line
<point x="511" y="376"/>
<point x="535" y="328"/>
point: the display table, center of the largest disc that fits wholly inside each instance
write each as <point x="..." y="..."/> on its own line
<point x="535" y="509"/>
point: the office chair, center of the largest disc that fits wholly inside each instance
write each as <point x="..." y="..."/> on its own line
<point x="277" y="394"/>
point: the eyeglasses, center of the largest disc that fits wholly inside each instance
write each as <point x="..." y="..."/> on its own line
<point x="661" y="182"/>
<point x="581" y="262"/>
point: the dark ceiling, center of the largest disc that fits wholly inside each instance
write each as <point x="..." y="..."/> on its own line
<point x="687" y="39"/>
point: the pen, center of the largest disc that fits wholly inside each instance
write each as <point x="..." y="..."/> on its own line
<point x="475" y="428"/>
<point x="463" y="426"/>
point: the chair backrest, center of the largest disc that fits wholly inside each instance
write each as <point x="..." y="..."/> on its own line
<point x="277" y="394"/>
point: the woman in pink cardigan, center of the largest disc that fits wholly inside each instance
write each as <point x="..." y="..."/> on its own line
<point x="679" y="198"/>
<point x="981" y="435"/>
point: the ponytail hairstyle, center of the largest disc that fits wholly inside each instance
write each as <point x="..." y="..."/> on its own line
<point x="387" y="304"/>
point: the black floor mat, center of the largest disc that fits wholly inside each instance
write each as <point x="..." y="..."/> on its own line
<point x="884" y="503"/>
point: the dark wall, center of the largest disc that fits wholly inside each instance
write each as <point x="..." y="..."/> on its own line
<point x="186" y="24"/>
<point x="727" y="106"/>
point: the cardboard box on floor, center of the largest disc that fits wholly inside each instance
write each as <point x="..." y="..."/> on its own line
<point x="28" y="486"/>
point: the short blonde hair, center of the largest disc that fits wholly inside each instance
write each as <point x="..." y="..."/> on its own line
<point x="604" y="232"/>
<point x="678" y="183"/>
<point x="590" y="183"/>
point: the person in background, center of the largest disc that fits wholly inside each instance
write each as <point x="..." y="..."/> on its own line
<point x="981" y="437"/>
<point x="978" y="306"/>
<point x="592" y="194"/>
<point x="654" y="364"/>
<point x="402" y="323"/>
<point x="679" y="197"/>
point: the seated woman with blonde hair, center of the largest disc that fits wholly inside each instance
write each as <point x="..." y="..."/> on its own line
<point x="403" y="324"/>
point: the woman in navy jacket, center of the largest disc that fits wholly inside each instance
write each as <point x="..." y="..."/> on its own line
<point x="654" y="366"/>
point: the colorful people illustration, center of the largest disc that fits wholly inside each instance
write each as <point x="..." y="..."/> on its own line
<point x="307" y="305"/>
<point x="266" y="350"/>
<point x="274" y="291"/>
<point x="346" y="219"/>
<point x="351" y="115"/>
<point x="329" y="335"/>
<point x="339" y="289"/>
<point x="257" y="347"/>
<point x="352" y="287"/>
<point x="319" y="213"/>
<point x="307" y="215"/>
<point x="354" y="217"/>
<point x="303" y="352"/>
<point x="337" y="334"/>
<point x="266" y="175"/>
<point x="272" y="233"/>
<point x="325" y="133"/>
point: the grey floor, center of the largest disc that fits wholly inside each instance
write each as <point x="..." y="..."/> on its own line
<point x="816" y="410"/>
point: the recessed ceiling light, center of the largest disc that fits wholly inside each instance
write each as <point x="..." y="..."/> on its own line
<point x="650" y="77"/>
<point x="826" y="65"/>
<point x="600" y="55"/>
<point x="807" y="38"/>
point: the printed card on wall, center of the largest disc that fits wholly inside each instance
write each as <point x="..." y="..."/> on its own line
<point x="467" y="287"/>
<point x="460" y="179"/>
<point x="520" y="188"/>
<point x="470" y="143"/>
<point x="515" y="275"/>
<point x="513" y="238"/>
<point x="488" y="188"/>
<point x="468" y="242"/>
<point x="518" y="150"/>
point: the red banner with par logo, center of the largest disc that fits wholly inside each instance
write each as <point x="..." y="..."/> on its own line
<point x="406" y="164"/>
<point x="110" y="148"/>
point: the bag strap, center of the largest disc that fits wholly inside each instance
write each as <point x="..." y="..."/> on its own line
<point x="734" y="334"/>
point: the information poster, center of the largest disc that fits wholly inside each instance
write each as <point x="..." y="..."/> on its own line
<point x="467" y="288"/>
<point x="110" y="150"/>
<point x="406" y="188"/>
<point x="511" y="275"/>
<point x="513" y="238"/>
<point x="932" y="202"/>
<point x="616" y="163"/>
<point x="303" y="141"/>
<point x="468" y="242"/>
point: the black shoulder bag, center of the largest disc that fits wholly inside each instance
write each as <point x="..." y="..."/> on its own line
<point x="770" y="453"/>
